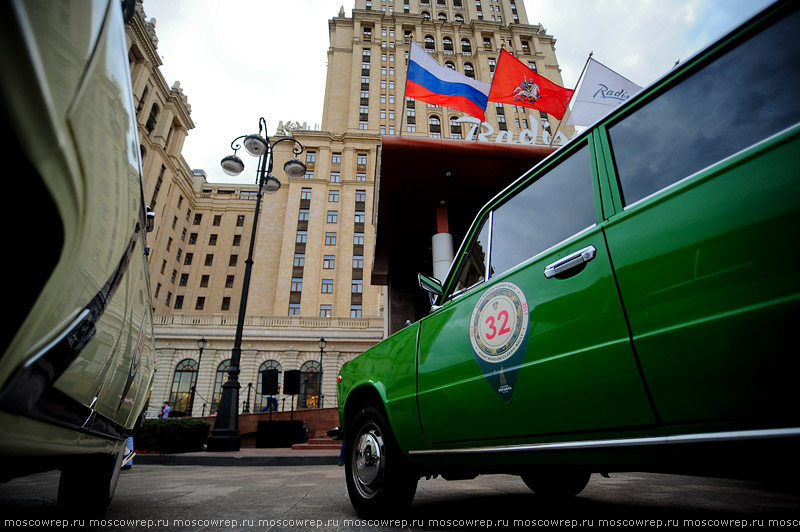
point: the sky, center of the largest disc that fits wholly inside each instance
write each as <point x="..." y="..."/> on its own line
<point x="239" y="60"/>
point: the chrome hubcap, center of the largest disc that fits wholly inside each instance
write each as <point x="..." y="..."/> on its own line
<point x="368" y="462"/>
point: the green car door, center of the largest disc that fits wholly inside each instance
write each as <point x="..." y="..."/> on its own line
<point x="705" y="240"/>
<point x="538" y="345"/>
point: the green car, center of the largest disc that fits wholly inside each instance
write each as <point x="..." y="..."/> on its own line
<point x="631" y="304"/>
<point x="77" y="356"/>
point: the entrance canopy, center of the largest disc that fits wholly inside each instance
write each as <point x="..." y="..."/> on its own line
<point x="416" y="178"/>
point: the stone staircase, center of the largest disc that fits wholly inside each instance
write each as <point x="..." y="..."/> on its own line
<point x="318" y="444"/>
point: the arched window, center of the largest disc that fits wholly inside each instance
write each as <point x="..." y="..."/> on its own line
<point x="442" y="17"/>
<point x="309" y="385"/>
<point x="469" y="71"/>
<point x="459" y="18"/>
<point x="447" y="44"/>
<point x="434" y="124"/>
<point x="430" y="44"/>
<point x="450" y="65"/>
<point x="455" y="128"/>
<point x="150" y="125"/>
<point x="182" y="382"/>
<point x="426" y="15"/>
<point x="466" y="47"/>
<point x="141" y="101"/>
<point x="222" y="376"/>
<point x="261" y="400"/>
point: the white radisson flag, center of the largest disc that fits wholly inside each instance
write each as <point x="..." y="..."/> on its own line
<point x="602" y="91"/>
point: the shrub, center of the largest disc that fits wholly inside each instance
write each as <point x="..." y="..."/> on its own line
<point x="172" y="435"/>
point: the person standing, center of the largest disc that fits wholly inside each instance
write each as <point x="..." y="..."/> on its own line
<point x="165" y="411"/>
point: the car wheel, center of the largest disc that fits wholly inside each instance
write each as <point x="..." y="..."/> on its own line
<point x="557" y="485"/>
<point x="379" y="478"/>
<point x="88" y="483"/>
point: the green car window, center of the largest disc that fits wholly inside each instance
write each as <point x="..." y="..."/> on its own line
<point x="740" y="98"/>
<point x="556" y="206"/>
<point x="473" y="268"/>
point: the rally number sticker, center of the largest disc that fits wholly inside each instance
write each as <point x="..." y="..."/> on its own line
<point x="499" y="323"/>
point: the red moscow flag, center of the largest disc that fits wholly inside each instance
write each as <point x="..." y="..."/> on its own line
<point x="517" y="84"/>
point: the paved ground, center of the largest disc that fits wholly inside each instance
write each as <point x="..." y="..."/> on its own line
<point x="313" y="497"/>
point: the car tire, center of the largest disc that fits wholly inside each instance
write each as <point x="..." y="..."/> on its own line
<point x="88" y="483"/>
<point x="380" y="481"/>
<point x="558" y="484"/>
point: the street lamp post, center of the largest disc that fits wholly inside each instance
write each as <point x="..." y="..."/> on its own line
<point x="225" y="436"/>
<point x="201" y="344"/>
<point x="322" y="344"/>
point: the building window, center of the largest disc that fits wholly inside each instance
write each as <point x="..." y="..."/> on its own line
<point x="333" y="217"/>
<point x="309" y="174"/>
<point x="261" y="400"/>
<point x="305" y="193"/>
<point x="469" y="71"/>
<point x="212" y="240"/>
<point x="359" y="217"/>
<point x="336" y="177"/>
<point x="217" y="220"/>
<point x="328" y="262"/>
<point x="294" y="309"/>
<point x="240" y="220"/>
<point x="302" y="237"/>
<point x="336" y="158"/>
<point x="325" y="311"/>
<point x="311" y="156"/>
<point x="297" y="284"/>
<point x="209" y="259"/>
<point x="330" y="239"/>
<point x="197" y="219"/>
<point x="327" y="286"/>
<point x="187" y="260"/>
<point x="357" y="287"/>
<point x="182" y="382"/>
<point x="221" y="377"/>
<point x="192" y="238"/>
<point x="204" y="281"/>
<point x="302" y="216"/>
<point x="184" y="279"/>
<point x="299" y="260"/>
<point x="361" y="195"/>
<point x="226" y="303"/>
<point x="178" y="302"/>
<point x="237" y="240"/>
<point x="333" y="196"/>
<point x="229" y="281"/>
<point x="358" y="239"/>
<point x="309" y="396"/>
<point x="234" y="260"/>
<point x="201" y="302"/>
<point x="355" y="311"/>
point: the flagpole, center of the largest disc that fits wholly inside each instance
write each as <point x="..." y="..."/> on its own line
<point x="405" y="87"/>
<point x="574" y="92"/>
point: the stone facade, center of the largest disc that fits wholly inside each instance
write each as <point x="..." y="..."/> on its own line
<point x="315" y="240"/>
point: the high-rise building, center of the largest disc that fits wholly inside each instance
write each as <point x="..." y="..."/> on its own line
<point x="312" y="273"/>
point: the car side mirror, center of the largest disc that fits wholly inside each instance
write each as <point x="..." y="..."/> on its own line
<point x="151" y="219"/>
<point x="430" y="284"/>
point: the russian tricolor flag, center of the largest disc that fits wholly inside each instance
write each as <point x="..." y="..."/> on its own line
<point x="431" y="82"/>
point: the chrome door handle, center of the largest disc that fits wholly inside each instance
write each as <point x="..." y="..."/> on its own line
<point x="573" y="260"/>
